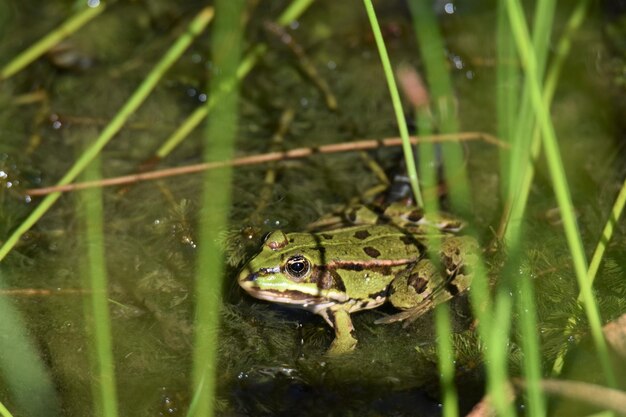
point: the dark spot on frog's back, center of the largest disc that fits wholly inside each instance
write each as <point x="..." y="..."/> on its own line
<point x="452" y="288"/>
<point x="362" y="234"/>
<point x="411" y="240"/>
<point x="415" y="215"/>
<point x="372" y="252"/>
<point x="418" y="283"/>
<point x="327" y="236"/>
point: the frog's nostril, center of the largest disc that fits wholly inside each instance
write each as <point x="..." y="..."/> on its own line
<point x="248" y="277"/>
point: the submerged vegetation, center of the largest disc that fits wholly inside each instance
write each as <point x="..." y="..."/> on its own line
<point x="123" y="300"/>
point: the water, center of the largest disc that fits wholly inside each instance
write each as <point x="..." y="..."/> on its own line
<point x="271" y="359"/>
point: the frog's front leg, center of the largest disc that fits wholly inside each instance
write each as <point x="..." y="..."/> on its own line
<point x="341" y="322"/>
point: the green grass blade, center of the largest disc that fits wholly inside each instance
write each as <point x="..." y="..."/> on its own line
<point x="607" y="233"/>
<point x="561" y="52"/>
<point x="226" y="45"/>
<point x="530" y="346"/>
<point x="195" y="28"/>
<point x="433" y="53"/>
<point x="4" y="412"/>
<point x="95" y="268"/>
<point x="44" y="44"/>
<point x="397" y="105"/>
<point x="507" y="92"/>
<point x="428" y="170"/>
<point x="520" y="178"/>
<point x="23" y="371"/>
<point x="443" y="101"/>
<point x="493" y="327"/>
<point x="496" y="355"/>
<point x="559" y="182"/>
<point x="446" y="361"/>
<point x="522" y="132"/>
<point x="197" y="396"/>
<point x="562" y="49"/>
<point x="291" y="13"/>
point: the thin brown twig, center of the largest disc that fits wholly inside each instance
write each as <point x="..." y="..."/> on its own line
<point x="596" y="395"/>
<point x="42" y="292"/>
<point x="268" y="157"/>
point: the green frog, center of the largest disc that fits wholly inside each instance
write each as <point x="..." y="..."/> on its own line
<point x="372" y="260"/>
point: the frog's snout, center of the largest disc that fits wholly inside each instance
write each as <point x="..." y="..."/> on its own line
<point x="247" y="277"/>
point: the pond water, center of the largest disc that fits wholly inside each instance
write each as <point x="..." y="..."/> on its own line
<point x="271" y="359"/>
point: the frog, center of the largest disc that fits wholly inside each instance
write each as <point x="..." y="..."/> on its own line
<point x="361" y="261"/>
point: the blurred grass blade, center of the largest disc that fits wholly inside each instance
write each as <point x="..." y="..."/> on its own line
<point x="23" y="371"/>
<point x="195" y="28"/>
<point x="526" y="310"/>
<point x="517" y="206"/>
<point x="507" y="92"/>
<point x="226" y="45"/>
<point x="446" y="361"/>
<point x="51" y="39"/>
<point x="522" y="131"/>
<point x="97" y="307"/>
<point x="518" y="128"/>
<point x="397" y="105"/>
<point x="607" y="233"/>
<point x="514" y="230"/>
<point x="198" y="393"/>
<point x="559" y="182"/>
<point x="443" y="101"/>
<point x="413" y="88"/>
<point x="440" y="86"/>
<point x="4" y="412"/>
<point x="496" y="354"/>
<point x="512" y="234"/>
<point x="291" y="13"/>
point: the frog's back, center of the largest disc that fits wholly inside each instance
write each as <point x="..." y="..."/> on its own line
<point x="375" y="243"/>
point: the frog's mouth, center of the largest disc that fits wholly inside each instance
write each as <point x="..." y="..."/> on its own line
<point x="307" y="296"/>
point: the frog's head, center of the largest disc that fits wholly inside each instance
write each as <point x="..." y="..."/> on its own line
<point x="290" y="270"/>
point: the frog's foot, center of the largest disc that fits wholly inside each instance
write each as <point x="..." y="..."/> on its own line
<point x="344" y="331"/>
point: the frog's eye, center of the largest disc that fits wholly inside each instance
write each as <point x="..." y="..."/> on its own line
<point x="297" y="266"/>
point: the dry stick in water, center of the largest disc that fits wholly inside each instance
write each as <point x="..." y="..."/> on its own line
<point x="268" y="157"/>
<point x="595" y="395"/>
